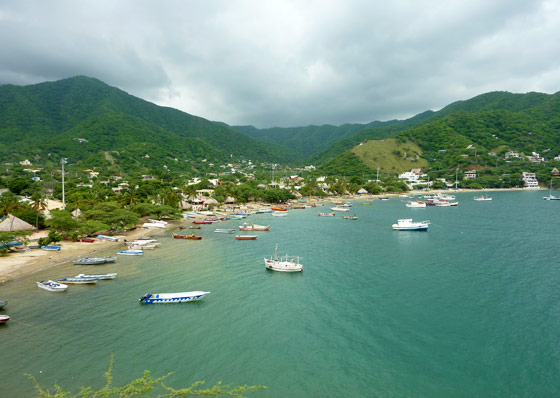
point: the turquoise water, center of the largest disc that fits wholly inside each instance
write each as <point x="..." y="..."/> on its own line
<point x="469" y="308"/>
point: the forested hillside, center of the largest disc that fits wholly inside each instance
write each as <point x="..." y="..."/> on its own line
<point x="82" y="117"/>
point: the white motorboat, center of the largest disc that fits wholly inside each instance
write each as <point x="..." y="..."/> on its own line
<point x="482" y="198"/>
<point x="4" y="319"/>
<point x="415" y="204"/>
<point x="340" y="208"/>
<point x="284" y="263"/>
<point x="52" y="286"/>
<point x="406" y="224"/>
<point x="279" y="213"/>
<point x="130" y="252"/>
<point x="164" y="298"/>
<point x="224" y="230"/>
<point x="254" y="227"/>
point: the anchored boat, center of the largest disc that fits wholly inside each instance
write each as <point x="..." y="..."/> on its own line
<point x="164" y="298"/>
<point x="284" y="263"/>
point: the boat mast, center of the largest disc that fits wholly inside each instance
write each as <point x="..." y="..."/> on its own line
<point x="276" y="253"/>
<point x="456" y="171"/>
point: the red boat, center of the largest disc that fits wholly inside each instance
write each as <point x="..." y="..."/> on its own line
<point x="86" y="240"/>
<point x="190" y="236"/>
<point x="278" y="209"/>
<point x="246" y="237"/>
<point x="203" y="222"/>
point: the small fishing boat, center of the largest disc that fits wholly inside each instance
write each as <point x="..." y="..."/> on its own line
<point x="383" y="198"/>
<point x="110" y="238"/>
<point x="94" y="260"/>
<point x="285" y="263"/>
<point x="86" y="240"/>
<point x="279" y="209"/>
<point x="192" y="227"/>
<point x="326" y="214"/>
<point x="98" y="276"/>
<point x="417" y="204"/>
<point x="78" y="280"/>
<point x="279" y="213"/>
<point x="203" y="222"/>
<point x="482" y="198"/>
<point x="154" y="225"/>
<point x="164" y="298"/>
<point x="367" y="203"/>
<point x="189" y="236"/>
<point x="254" y="227"/>
<point x="52" y="286"/>
<point x="52" y="248"/>
<point x="131" y="252"/>
<point x="246" y="237"/>
<point x="340" y="208"/>
<point x="4" y="319"/>
<point x="147" y="246"/>
<point x="224" y="231"/>
<point x="406" y="224"/>
<point x="354" y="217"/>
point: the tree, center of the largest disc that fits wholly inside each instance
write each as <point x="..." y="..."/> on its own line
<point x="39" y="204"/>
<point x="61" y="221"/>
<point x="8" y="238"/>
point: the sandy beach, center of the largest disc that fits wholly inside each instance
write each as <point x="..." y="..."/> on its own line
<point x="27" y="262"/>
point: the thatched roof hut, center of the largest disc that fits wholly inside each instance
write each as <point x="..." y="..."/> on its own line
<point x="12" y="223"/>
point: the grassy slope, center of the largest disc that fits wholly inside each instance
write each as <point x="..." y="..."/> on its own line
<point x="390" y="155"/>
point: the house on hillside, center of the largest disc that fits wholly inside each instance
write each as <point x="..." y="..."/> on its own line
<point x="469" y="175"/>
<point x="415" y="177"/>
<point x="529" y="180"/>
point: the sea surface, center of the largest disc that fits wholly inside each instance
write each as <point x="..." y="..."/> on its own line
<point x="469" y="308"/>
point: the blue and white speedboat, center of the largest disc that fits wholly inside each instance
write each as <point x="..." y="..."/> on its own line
<point x="164" y="298"/>
<point x="406" y="224"/>
<point x="131" y="252"/>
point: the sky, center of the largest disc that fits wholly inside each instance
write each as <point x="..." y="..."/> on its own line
<point x="287" y="63"/>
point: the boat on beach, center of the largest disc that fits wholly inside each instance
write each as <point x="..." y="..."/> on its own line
<point x="254" y="227"/>
<point x="94" y="260"/>
<point x="246" y="237"/>
<point x="52" y="286"/>
<point x="110" y="238"/>
<point x="164" y="298"/>
<point x="51" y="248"/>
<point x="284" y="263"/>
<point x="406" y="224"/>
<point x="98" y="276"/>
<point x="78" y="280"/>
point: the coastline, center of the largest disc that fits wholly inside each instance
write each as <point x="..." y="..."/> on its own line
<point x="16" y="265"/>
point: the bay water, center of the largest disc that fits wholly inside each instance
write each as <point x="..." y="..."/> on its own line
<point x="469" y="308"/>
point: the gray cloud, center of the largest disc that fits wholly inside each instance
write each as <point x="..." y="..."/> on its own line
<point x="288" y="63"/>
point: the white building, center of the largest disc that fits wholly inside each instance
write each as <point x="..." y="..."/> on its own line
<point x="529" y="180"/>
<point x="415" y="177"/>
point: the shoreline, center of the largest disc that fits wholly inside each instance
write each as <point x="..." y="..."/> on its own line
<point x="16" y="265"/>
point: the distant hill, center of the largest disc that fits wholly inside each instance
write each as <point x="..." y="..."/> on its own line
<point x="83" y="118"/>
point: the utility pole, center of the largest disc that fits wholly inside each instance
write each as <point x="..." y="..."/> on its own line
<point x="63" y="162"/>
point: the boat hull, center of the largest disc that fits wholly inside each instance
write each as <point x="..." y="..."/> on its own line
<point x="282" y="266"/>
<point x="52" y="286"/>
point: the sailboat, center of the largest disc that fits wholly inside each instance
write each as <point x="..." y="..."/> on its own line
<point x="550" y="195"/>
<point x="283" y="264"/>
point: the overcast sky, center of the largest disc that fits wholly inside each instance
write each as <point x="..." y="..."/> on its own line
<point x="288" y="63"/>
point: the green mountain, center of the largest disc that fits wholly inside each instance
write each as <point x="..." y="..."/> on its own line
<point x="88" y="121"/>
<point x="470" y="133"/>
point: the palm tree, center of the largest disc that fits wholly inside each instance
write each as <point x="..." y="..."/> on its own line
<point x="39" y="204"/>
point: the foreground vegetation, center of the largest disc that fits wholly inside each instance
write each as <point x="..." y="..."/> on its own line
<point x="145" y="386"/>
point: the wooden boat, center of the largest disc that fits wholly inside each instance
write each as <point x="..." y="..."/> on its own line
<point x="340" y="208"/>
<point x="98" y="276"/>
<point x="4" y="319"/>
<point x="483" y="198"/>
<point x="254" y="227"/>
<point x="203" y="222"/>
<point x="52" y="248"/>
<point x="278" y="209"/>
<point x="415" y="204"/>
<point x="165" y="298"/>
<point x="283" y="264"/>
<point x="52" y="286"/>
<point x="94" y="260"/>
<point x="246" y="237"/>
<point x="224" y="231"/>
<point x="86" y="240"/>
<point x="147" y="246"/>
<point x="189" y="236"/>
<point x="279" y="213"/>
<point x="326" y="214"/>
<point x="78" y="280"/>
<point x="110" y="238"/>
<point x="354" y="217"/>
<point x="131" y="252"/>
